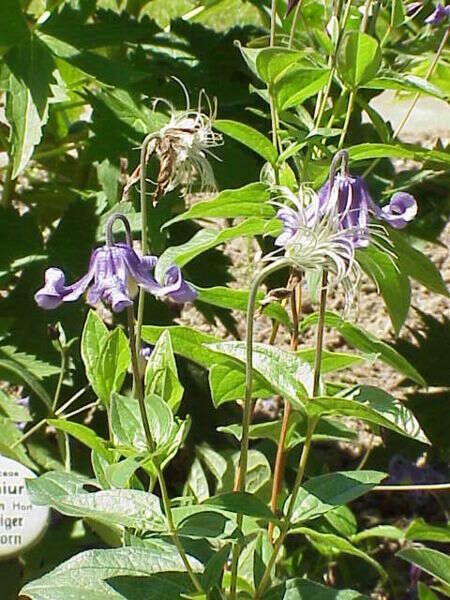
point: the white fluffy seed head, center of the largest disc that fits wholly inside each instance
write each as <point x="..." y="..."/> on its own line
<point x="189" y="137"/>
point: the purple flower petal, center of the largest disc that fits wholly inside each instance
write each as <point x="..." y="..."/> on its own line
<point x="291" y="224"/>
<point x="354" y="203"/>
<point x="177" y="288"/>
<point x="412" y="8"/>
<point x="52" y="294"/>
<point x="141" y="270"/>
<point x="439" y="15"/>
<point x="400" y="211"/>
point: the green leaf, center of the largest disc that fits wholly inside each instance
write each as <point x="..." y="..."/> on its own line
<point x="271" y="62"/>
<point x="368" y="151"/>
<point x="433" y="562"/>
<point x="126" y="421"/>
<point x="214" y="461"/>
<point x="93" y="338"/>
<point x="417" y="265"/>
<point x="214" y="568"/>
<point x="89" y="575"/>
<point x="425" y="593"/>
<point x="161" y="377"/>
<point x="13" y="25"/>
<point x="11" y="409"/>
<point x="375" y="406"/>
<point x="302" y="589"/>
<point x="241" y="503"/>
<point x="397" y="13"/>
<point x="258" y="471"/>
<point x="9" y="443"/>
<point x="250" y="137"/>
<point x="359" y="58"/>
<point x="11" y="366"/>
<point x="407" y="83"/>
<point x="320" y="494"/>
<point x="238" y="300"/>
<point x="419" y="531"/>
<point x="109" y="29"/>
<point x="196" y="483"/>
<point x="118" y="475"/>
<point x="366" y="342"/>
<point x="335" y="545"/>
<point x="326" y="430"/>
<point x="342" y="520"/>
<point x="31" y="69"/>
<point x="298" y="84"/>
<point x="84" y="434"/>
<point x="284" y="372"/>
<point x="128" y="508"/>
<point x="204" y="524"/>
<point x="28" y="362"/>
<point x="227" y="379"/>
<point x="112" y="365"/>
<point x="55" y="484"/>
<point x="186" y="342"/>
<point x="205" y="239"/>
<point x="385" y="531"/>
<point x="392" y="282"/>
<point x="248" y="201"/>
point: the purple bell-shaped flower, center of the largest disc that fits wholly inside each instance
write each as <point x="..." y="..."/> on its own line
<point x="115" y="270"/>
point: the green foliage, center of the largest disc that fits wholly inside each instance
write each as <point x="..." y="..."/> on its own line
<point x="143" y="455"/>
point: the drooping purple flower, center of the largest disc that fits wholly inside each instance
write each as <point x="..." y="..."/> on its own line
<point x="412" y="8"/>
<point x="440" y="14"/>
<point x="115" y="271"/>
<point x="355" y="204"/>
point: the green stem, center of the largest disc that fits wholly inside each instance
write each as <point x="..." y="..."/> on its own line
<point x="432" y="487"/>
<point x="144" y="233"/>
<point x="294" y="23"/>
<point x="62" y="373"/>
<point x="311" y="424"/>
<point x="287" y="521"/>
<point x="273" y="22"/>
<point x="138" y="387"/>
<point x="365" y="19"/>
<point x="342" y="26"/>
<point x="273" y="110"/>
<point x="173" y="532"/>
<point x="351" y="103"/>
<point x="137" y="380"/>
<point x="248" y="404"/>
<point x="428" y="74"/>
<point x="320" y="334"/>
<point x="38" y="425"/>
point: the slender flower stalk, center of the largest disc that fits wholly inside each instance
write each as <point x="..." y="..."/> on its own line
<point x="248" y="401"/>
<point x="62" y="374"/>
<point x="144" y="232"/>
<point x="294" y="20"/>
<point x="278" y="472"/>
<point x="312" y="422"/>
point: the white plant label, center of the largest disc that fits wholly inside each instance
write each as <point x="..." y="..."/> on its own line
<point x="21" y="523"/>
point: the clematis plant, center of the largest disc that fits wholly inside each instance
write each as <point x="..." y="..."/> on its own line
<point x="185" y="509"/>
<point x="115" y="271"/>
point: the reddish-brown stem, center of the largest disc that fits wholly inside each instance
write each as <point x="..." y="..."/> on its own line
<point x="281" y="454"/>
